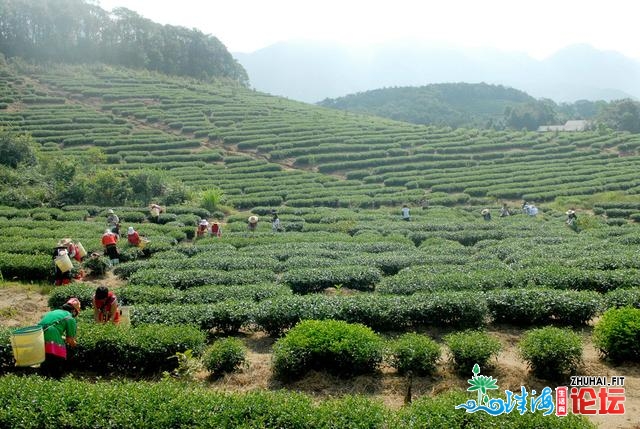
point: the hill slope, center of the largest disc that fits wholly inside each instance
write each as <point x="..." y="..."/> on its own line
<point x="75" y="31"/>
<point x="267" y="151"/>
<point x="451" y="104"/>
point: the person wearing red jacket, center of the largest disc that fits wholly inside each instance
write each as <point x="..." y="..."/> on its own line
<point x="109" y="240"/>
<point x="133" y="237"/>
<point x="105" y="306"/>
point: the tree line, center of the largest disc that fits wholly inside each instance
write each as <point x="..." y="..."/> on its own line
<point x="77" y="31"/>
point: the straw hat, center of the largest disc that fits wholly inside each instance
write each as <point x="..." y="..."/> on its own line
<point x="65" y="241"/>
<point x="484" y="211"/>
<point x="110" y="211"/>
<point x="570" y="212"/>
<point x="253" y="219"/>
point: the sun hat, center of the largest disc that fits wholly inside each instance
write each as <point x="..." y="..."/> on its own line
<point x="570" y="212"/>
<point x="75" y="303"/>
<point x="203" y="222"/>
<point x="110" y="211"/>
<point x="253" y="219"/>
<point x="484" y="211"/>
<point x="130" y="230"/>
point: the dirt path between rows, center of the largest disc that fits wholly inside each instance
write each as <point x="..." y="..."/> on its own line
<point x="23" y="305"/>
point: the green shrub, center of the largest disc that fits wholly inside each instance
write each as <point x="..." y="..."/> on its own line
<point x="97" y="266"/>
<point x="226" y="316"/>
<point x="6" y="353"/>
<point x="335" y="346"/>
<point x="415" y="354"/>
<point x="26" y="267"/>
<point x="167" y="217"/>
<point x="307" y="280"/>
<point x="225" y="355"/>
<point x="142" y="349"/>
<point x="83" y="291"/>
<point x="623" y="298"/>
<point x="537" y="306"/>
<point x="439" y="412"/>
<point x="35" y="402"/>
<point x="471" y="347"/>
<point x="551" y="352"/>
<point x="617" y="334"/>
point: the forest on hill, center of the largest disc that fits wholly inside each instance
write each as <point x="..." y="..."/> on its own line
<point x="78" y="31"/>
<point x="484" y="106"/>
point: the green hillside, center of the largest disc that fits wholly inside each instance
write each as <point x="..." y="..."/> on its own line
<point x="485" y="106"/>
<point x="76" y="140"/>
<point x="79" y="31"/>
<point x="447" y="104"/>
<point x="267" y="151"/>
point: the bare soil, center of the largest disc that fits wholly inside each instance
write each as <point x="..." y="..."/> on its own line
<point x="22" y="305"/>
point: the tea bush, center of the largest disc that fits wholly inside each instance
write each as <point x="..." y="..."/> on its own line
<point x="225" y="355"/>
<point x="184" y="279"/>
<point x="414" y="353"/>
<point x="6" y="353"/>
<point x="617" y="334"/>
<point x="34" y="402"/>
<point x="143" y="349"/>
<point x="379" y="312"/>
<point x="131" y="295"/>
<point x="335" y="346"/>
<point x="439" y="412"/>
<point x="97" y="266"/>
<point x="26" y="267"/>
<point x="83" y="291"/>
<point x="306" y="280"/>
<point x="551" y="352"/>
<point x="227" y="316"/>
<point x="471" y="347"/>
<point x="623" y="298"/>
<point x="537" y="306"/>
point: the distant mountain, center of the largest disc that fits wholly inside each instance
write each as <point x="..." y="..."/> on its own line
<point x="313" y="71"/>
<point x="451" y="104"/>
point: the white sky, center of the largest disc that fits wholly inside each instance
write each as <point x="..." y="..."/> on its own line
<point x="538" y="28"/>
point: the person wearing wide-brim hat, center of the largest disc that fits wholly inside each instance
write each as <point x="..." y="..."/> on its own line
<point x="60" y="277"/>
<point x="486" y="214"/>
<point x="571" y="218"/>
<point x="72" y="249"/>
<point x="203" y="228"/>
<point x="252" y="222"/>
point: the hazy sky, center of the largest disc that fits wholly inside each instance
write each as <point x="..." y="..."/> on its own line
<point x="538" y="28"/>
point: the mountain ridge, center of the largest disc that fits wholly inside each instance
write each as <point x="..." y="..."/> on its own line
<point x="313" y="71"/>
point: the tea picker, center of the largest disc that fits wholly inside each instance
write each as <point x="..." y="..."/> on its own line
<point x="60" y="328"/>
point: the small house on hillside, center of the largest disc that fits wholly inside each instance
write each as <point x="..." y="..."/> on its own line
<point x="577" y="125"/>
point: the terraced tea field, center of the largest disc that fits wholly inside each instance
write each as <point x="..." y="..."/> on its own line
<point x="337" y="181"/>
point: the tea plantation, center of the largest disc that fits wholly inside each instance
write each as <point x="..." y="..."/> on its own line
<point x="345" y="263"/>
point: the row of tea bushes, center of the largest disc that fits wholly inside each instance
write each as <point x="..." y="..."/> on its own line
<point x="424" y="279"/>
<point x="107" y="349"/>
<point x="134" y="295"/>
<point x="198" y="277"/>
<point x="25" y="267"/>
<point x="33" y="402"/>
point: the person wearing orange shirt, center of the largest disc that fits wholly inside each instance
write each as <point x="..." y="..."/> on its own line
<point x="109" y="240"/>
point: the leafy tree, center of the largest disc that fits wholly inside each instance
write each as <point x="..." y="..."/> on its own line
<point x="622" y="115"/>
<point x="16" y="148"/>
<point x="80" y="31"/>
